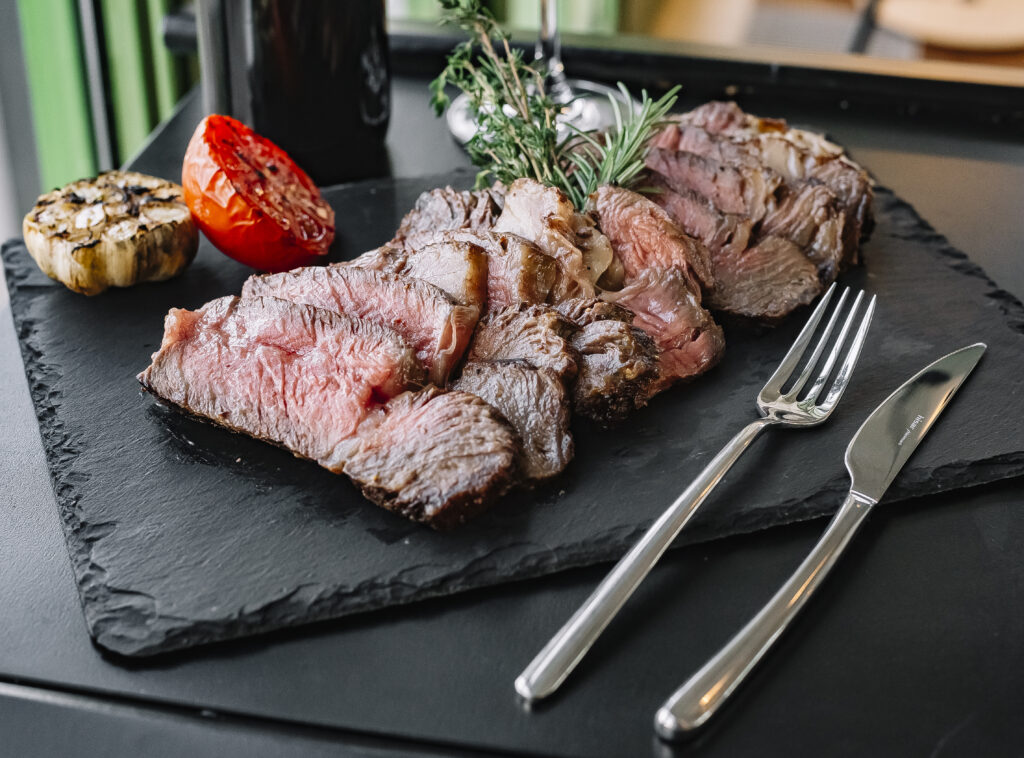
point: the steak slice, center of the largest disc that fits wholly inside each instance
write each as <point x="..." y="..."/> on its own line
<point x="797" y="155"/>
<point x="535" y="402"/>
<point x="536" y="334"/>
<point x="698" y="217"/>
<point x="296" y="375"/>
<point x="546" y="217"/>
<point x="743" y="189"/>
<point x="665" y="307"/>
<point x="447" y="209"/>
<point x="805" y="210"/>
<point x="456" y="268"/>
<point x="583" y="311"/>
<point x="436" y="328"/>
<point x="643" y="236"/>
<point x="517" y="271"/>
<point x="809" y="216"/>
<point x="765" y="282"/>
<point x="618" y="365"/>
<point x="435" y="457"/>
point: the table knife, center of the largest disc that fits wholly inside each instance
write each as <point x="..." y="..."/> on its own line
<point x="874" y="457"/>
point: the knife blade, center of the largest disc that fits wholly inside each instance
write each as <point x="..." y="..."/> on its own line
<point x="875" y="455"/>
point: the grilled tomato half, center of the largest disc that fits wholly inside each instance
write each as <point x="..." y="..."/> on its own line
<point x="251" y="200"/>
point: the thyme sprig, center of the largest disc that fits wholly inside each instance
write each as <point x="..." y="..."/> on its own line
<point x="517" y="122"/>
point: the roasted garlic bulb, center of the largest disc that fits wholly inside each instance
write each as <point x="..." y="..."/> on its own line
<point x="116" y="230"/>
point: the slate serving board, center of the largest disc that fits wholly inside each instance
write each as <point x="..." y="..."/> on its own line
<point x="181" y="533"/>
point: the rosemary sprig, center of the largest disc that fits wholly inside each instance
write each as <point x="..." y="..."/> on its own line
<point x="517" y="127"/>
<point x="617" y="156"/>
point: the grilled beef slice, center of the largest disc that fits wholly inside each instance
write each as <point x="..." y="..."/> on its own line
<point x="803" y="210"/>
<point x="583" y="311"/>
<point x="797" y="155"/>
<point x="618" y="362"/>
<point x="296" y="375"/>
<point x="665" y="307"/>
<point x="435" y="457"/>
<point x="537" y="334"/>
<point x="447" y="209"/>
<point x="742" y="189"/>
<point x="456" y="268"/>
<point x="546" y="217"/>
<point x="761" y="279"/>
<point x="517" y="271"/>
<point x="643" y="236"/>
<point x="618" y="365"/>
<point x="535" y="402"/>
<point x="764" y="282"/>
<point x="436" y="328"/>
<point x="698" y="217"/>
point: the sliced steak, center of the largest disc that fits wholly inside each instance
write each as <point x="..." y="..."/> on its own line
<point x="546" y="217"/>
<point x="805" y="210"/>
<point x="435" y="457"/>
<point x="797" y="155"/>
<point x="537" y="334"/>
<point x="583" y="311"/>
<point x="698" y="217"/>
<point x="665" y="307"/>
<point x="644" y="236"/>
<point x="809" y="216"/>
<point x="745" y="190"/>
<point x="436" y="327"/>
<point x="749" y="281"/>
<point x="457" y="268"/>
<point x="535" y="402"/>
<point x="765" y="282"/>
<point x="517" y="271"/>
<point x="618" y="365"/>
<point x="296" y="375"/>
<point x="447" y="209"/>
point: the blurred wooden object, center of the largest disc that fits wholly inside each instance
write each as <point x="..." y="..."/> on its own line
<point x="712" y="22"/>
<point x="976" y="25"/>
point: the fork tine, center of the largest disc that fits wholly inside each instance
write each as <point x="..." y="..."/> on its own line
<point x="816" y="354"/>
<point x="846" y="370"/>
<point x="785" y="369"/>
<point x="830" y="362"/>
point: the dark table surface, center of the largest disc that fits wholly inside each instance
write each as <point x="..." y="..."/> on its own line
<point x="915" y="646"/>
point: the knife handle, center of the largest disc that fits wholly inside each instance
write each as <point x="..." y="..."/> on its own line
<point x="704" y="692"/>
<point x="565" y="650"/>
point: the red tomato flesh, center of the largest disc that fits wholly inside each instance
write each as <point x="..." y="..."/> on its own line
<point x="251" y="200"/>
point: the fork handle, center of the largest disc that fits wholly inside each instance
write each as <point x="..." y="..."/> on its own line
<point x="565" y="650"/>
<point x="704" y="693"/>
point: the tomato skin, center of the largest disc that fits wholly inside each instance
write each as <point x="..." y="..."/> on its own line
<point x="233" y="222"/>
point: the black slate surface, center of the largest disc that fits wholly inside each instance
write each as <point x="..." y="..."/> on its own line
<point x="181" y="533"/>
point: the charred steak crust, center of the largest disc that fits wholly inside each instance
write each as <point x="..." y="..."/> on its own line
<point x="423" y="315"/>
<point x="535" y="402"/>
<point x="537" y="334"/>
<point x="436" y="457"/>
<point x="517" y="271"/>
<point x="618" y="365"/>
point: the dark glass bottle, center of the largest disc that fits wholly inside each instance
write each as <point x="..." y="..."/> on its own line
<point x="313" y="76"/>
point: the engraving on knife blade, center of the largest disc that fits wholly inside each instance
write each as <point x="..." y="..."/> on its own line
<point x="913" y="425"/>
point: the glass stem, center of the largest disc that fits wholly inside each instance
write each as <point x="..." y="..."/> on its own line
<point x="549" y="53"/>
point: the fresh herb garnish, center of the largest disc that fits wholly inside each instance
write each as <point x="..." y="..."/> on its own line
<point x="517" y="131"/>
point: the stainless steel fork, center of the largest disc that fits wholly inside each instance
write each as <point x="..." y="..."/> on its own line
<point x="794" y="408"/>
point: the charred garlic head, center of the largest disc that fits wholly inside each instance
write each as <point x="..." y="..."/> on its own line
<point x="116" y="230"/>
